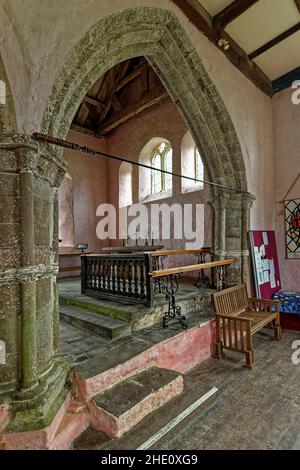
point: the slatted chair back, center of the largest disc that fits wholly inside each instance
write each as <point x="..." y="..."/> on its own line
<point x="233" y="300"/>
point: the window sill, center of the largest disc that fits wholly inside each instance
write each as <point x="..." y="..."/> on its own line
<point x="158" y="196"/>
<point x="192" y="189"/>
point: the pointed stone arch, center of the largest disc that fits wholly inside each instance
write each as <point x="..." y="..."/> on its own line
<point x="157" y="34"/>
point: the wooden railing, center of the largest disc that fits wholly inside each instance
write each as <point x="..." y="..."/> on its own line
<point x="118" y="277"/>
<point x="171" y="277"/>
<point x="192" y="267"/>
<point x="159" y="256"/>
<point x="180" y="252"/>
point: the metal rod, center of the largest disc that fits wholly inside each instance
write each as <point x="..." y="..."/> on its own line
<point x="89" y="150"/>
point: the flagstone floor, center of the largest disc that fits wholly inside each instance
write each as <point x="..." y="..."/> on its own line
<point x="253" y="409"/>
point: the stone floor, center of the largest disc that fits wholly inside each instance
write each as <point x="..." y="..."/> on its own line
<point x="83" y="348"/>
<point x="253" y="409"/>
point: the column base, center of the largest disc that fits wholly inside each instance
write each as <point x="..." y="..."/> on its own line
<point x="35" y="409"/>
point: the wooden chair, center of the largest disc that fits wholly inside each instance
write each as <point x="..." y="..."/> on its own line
<point x="238" y="318"/>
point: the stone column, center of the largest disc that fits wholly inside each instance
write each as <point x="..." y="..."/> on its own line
<point x="33" y="380"/>
<point x="231" y="217"/>
<point x="27" y="159"/>
<point x="54" y="235"/>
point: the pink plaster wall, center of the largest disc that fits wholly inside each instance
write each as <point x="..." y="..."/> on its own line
<point x="287" y="167"/>
<point x="89" y="175"/>
<point x="128" y="140"/>
<point x="96" y="180"/>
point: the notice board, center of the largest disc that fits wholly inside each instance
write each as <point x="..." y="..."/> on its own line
<point x="265" y="263"/>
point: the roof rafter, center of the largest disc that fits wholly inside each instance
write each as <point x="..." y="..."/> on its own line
<point x="235" y="54"/>
<point x="231" y="12"/>
<point x="281" y="37"/>
<point x="297" y="4"/>
<point x="149" y="99"/>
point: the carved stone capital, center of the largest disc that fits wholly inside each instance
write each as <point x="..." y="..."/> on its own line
<point x="26" y="149"/>
<point x="232" y="201"/>
<point x="52" y="166"/>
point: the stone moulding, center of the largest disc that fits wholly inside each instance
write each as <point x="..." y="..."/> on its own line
<point x="28" y="273"/>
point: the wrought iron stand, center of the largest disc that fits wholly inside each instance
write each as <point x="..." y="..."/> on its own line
<point x="174" y="311"/>
<point x="221" y="277"/>
<point x="157" y="265"/>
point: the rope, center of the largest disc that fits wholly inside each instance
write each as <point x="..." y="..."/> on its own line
<point x="91" y="151"/>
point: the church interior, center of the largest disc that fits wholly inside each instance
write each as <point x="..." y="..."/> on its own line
<point x="150" y="225"/>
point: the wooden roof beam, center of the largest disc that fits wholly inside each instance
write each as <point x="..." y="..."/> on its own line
<point x="231" y="12"/>
<point x="297" y="4"/>
<point x="128" y="78"/>
<point x="132" y="110"/>
<point x="286" y="80"/>
<point x="235" y="54"/>
<point x="281" y="37"/>
<point x="83" y="130"/>
<point x="94" y="102"/>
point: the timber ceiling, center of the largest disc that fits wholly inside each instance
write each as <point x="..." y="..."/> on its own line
<point x="120" y="94"/>
<point x="260" y="37"/>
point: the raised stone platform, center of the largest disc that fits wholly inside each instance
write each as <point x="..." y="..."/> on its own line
<point x="150" y="360"/>
<point x="113" y="319"/>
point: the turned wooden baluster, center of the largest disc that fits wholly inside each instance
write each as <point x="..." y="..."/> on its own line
<point x="124" y="290"/>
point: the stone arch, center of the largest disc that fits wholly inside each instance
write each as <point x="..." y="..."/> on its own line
<point x="157" y="34"/>
<point x="8" y="123"/>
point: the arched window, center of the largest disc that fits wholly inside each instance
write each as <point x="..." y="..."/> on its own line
<point x="125" y="184"/>
<point x="191" y="164"/>
<point x="161" y="159"/>
<point x="157" y="153"/>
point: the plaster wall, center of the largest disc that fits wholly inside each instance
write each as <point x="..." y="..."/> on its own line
<point x="89" y="177"/>
<point x="129" y="140"/>
<point x="96" y="180"/>
<point x="287" y="167"/>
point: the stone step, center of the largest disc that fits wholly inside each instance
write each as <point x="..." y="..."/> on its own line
<point x="121" y="407"/>
<point x="153" y="425"/>
<point x="139" y="316"/>
<point x="103" y="307"/>
<point x="75" y="421"/>
<point x="101" y="325"/>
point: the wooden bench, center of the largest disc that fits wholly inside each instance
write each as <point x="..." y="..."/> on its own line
<point x="238" y="318"/>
